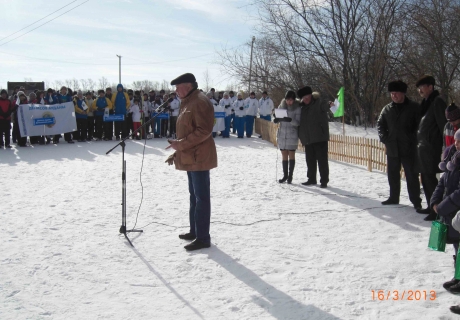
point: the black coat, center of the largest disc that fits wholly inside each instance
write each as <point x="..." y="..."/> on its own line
<point x="447" y="197"/>
<point x="429" y="134"/>
<point x="397" y="128"/>
<point x="314" y="125"/>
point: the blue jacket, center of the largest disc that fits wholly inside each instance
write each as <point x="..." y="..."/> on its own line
<point x="47" y="99"/>
<point x="79" y="112"/>
<point x="64" y="98"/>
<point x="447" y="197"/>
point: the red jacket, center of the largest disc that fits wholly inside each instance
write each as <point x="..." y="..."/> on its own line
<point x="5" y="109"/>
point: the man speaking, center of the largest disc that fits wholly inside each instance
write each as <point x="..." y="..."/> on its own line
<point x="196" y="154"/>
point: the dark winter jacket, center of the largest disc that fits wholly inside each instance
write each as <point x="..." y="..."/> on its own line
<point x="447" y="197"/>
<point x="397" y="128"/>
<point x="287" y="136"/>
<point x="6" y="109"/>
<point x="429" y="134"/>
<point x="314" y="125"/>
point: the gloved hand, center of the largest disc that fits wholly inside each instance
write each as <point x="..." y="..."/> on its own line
<point x="241" y="108"/>
<point x="170" y="160"/>
<point x="285" y="119"/>
<point x="227" y="106"/>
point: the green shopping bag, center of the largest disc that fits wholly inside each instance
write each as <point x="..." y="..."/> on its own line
<point x="457" y="266"/>
<point x="438" y="236"/>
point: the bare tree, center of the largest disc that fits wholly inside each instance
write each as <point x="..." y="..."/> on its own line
<point x="84" y="84"/>
<point x="75" y="84"/>
<point x="91" y="84"/>
<point x="207" y="81"/>
<point x="103" y="83"/>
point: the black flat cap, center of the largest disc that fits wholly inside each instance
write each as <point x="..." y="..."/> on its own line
<point x="426" y="79"/>
<point x="397" y="86"/>
<point x="185" y="78"/>
<point x="302" y="92"/>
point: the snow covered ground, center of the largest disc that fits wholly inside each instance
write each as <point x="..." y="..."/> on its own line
<point x="278" y="251"/>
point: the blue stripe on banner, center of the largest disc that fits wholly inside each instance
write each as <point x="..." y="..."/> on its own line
<point x="114" y="117"/>
<point x="44" y="121"/>
<point x="219" y="115"/>
<point x="161" y="116"/>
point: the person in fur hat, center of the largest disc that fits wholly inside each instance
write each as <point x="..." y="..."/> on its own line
<point x="429" y="137"/>
<point x="445" y="201"/>
<point x="397" y="129"/>
<point x="314" y="134"/>
<point x="452" y="125"/>
<point x="287" y="136"/>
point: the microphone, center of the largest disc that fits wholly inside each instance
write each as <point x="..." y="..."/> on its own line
<point x="164" y="105"/>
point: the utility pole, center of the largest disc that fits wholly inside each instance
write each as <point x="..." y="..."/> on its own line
<point x="250" y="64"/>
<point x="119" y="68"/>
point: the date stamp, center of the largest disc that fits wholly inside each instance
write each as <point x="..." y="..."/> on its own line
<point x="407" y="295"/>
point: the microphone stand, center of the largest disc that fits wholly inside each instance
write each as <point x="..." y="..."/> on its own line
<point x="122" y="143"/>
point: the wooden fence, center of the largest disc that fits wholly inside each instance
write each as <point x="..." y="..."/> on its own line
<point x="361" y="151"/>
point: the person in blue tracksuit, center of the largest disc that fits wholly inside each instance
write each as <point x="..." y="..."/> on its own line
<point x="226" y="102"/>
<point x="121" y="103"/>
<point x="240" y="115"/>
<point x="251" y="107"/>
<point x="81" y="113"/>
<point x="233" y="98"/>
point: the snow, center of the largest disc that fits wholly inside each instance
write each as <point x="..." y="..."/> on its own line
<point x="278" y="251"/>
<point x="353" y="131"/>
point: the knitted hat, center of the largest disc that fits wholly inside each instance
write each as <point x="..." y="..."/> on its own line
<point x="446" y="155"/>
<point x="4" y="91"/>
<point x="290" y="95"/>
<point x="302" y="92"/>
<point x="397" y="86"/>
<point x="452" y="112"/>
<point x="454" y="161"/>
<point x="426" y="79"/>
<point x="185" y="78"/>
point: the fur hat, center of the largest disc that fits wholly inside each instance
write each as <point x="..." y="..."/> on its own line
<point x="397" y="86"/>
<point x="452" y="112"/>
<point x="426" y="79"/>
<point x="290" y="95"/>
<point x="302" y="92"/>
<point x="185" y="78"/>
<point x="446" y="155"/>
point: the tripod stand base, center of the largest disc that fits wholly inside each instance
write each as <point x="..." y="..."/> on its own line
<point x="124" y="231"/>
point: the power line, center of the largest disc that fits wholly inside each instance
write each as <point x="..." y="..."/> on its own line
<point x="44" y="23"/>
<point x="38" y="20"/>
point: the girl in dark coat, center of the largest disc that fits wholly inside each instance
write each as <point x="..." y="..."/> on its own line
<point x="445" y="200"/>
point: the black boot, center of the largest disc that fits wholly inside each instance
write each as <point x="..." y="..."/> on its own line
<point x="285" y="172"/>
<point x="291" y="171"/>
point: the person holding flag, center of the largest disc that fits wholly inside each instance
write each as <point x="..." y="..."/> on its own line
<point x="314" y="134"/>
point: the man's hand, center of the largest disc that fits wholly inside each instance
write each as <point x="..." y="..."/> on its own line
<point x="170" y="160"/>
<point x="172" y="144"/>
<point x="435" y="208"/>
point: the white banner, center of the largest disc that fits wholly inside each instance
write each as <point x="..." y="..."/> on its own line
<point x="43" y="120"/>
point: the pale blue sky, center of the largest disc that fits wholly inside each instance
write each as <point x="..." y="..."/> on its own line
<point x="157" y="39"/>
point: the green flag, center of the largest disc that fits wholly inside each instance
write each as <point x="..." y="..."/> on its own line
<point x="339" y="103"/>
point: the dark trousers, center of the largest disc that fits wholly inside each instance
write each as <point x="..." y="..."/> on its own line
<point x="394" y="178"/>
<point x="429" y="183"/>
<point x="82" y="128"/>
<point x="164" y="127"/>
<point x="108" y="130"/>
<point x="90" y="127"/>
<point x="21" y="141"/>
<point x="200" y="204"/>
<point x="317" y="153"/>
<point x="173" y="125"/>
<point x="120" y="129"/>
<point x="5" y="128"/>
<point x="99" y="126"/>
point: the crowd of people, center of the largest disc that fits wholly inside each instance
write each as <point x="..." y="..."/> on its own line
<point x="424" y="139"/>
<point x="92" y="111"/>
